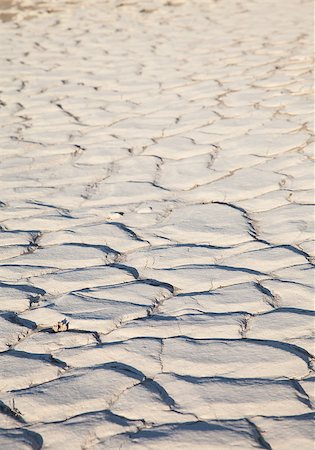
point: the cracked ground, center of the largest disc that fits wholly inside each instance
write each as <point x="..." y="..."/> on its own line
<point x="156" y="225"/>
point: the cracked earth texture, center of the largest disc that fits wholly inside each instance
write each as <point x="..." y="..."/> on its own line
<point x="156" y="202"/>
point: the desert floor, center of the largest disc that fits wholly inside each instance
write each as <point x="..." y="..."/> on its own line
<point x="156" y="225"/>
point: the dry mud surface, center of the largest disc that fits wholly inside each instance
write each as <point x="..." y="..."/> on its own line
<point x="156" y="225"/>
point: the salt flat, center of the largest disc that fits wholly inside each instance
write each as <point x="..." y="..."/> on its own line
<point x="156" y="215"/>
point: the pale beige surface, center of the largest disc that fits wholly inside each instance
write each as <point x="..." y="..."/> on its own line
<point x="156" y="195"/>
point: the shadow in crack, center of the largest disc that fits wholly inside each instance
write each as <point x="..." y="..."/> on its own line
<point x="20" y="437"/>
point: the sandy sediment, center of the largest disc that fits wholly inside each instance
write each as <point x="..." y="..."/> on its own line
<point x="156" y="214"/>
